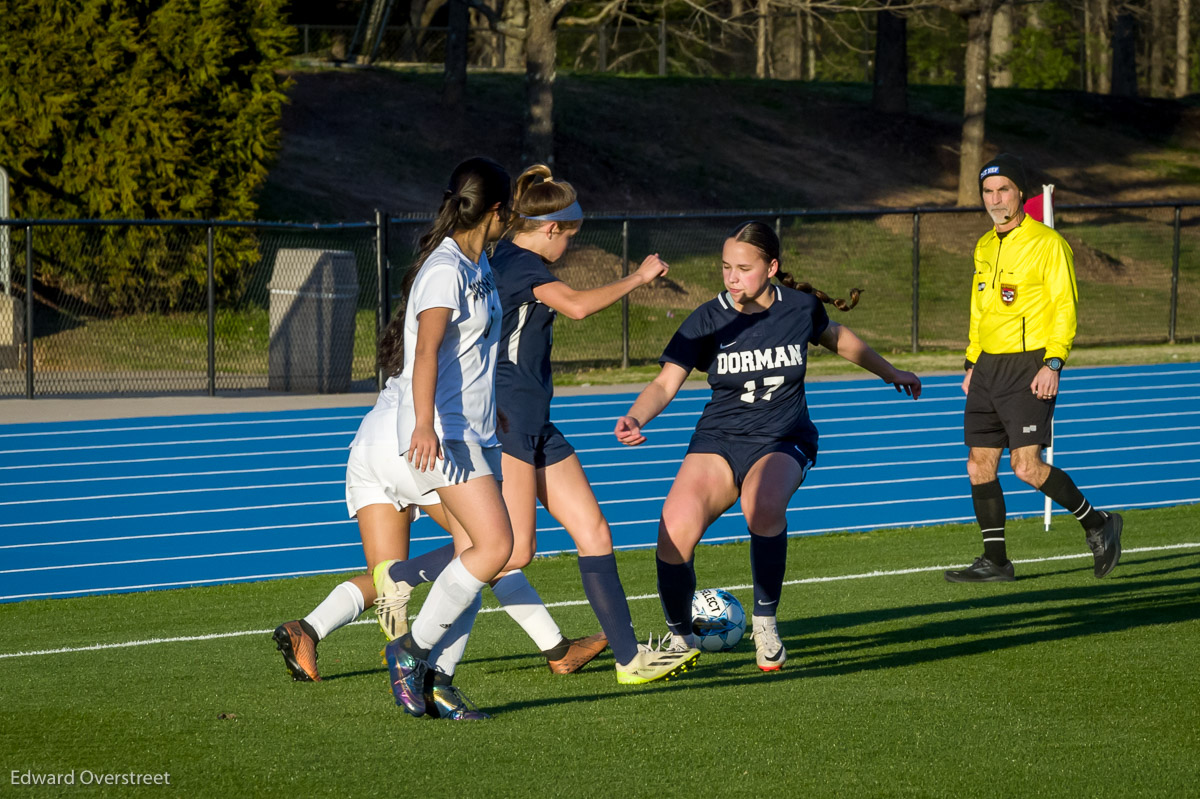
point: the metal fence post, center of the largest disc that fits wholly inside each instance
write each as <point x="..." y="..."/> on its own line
<point x="662" y="47"/>
<point x="212" y="318"/>
<point x="383" y="314"/>
<point x="5" y="260"/>
<point x="916" y="283"/>
<point x="29" y="312"/>
<point x="625" y="299"/>
<point x="1174" y="280"/>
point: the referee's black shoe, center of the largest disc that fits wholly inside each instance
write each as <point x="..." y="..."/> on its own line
<point x="1105" y="544"/>
<point x="983" y="571"/>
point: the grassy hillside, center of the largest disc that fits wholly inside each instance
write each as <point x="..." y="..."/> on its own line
<point x="356" y="140"/>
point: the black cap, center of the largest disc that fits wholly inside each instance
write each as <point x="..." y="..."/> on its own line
<point x="1007" y="166"/>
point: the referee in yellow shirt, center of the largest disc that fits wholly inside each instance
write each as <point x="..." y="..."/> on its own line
<point x="1023" y="308"/>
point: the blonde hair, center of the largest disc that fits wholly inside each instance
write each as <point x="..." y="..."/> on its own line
<point x="538" y="194"/>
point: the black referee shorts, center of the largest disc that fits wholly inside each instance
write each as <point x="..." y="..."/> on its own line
<point x="1001" y="410"/>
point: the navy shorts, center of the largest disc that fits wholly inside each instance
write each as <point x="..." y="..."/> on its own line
<point x="1001" y="409"/>
<point x="742" y="452"/>
<point x="544" y="449"/>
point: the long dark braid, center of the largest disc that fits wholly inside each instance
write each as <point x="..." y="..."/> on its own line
<point x="475" y="186"/>
<point x="762" y="237"/>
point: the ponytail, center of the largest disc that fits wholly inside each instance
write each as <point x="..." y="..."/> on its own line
<point x="763" y="238"/>
<point x="538" y="194"/>
<point x="475" y="186"/>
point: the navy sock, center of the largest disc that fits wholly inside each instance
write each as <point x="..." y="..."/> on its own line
<point x="990" y="512"/>
<point x="1062" y="489"/>
<point x="606" y="595"/>
<point x="423" y="568"/>
<point x="768" y="562"/>
<point x="676" y="586"/>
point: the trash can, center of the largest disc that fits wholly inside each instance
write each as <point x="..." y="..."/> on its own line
<point x="314" y="294"/>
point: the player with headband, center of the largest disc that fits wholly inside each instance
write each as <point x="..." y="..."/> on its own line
<point x="539" y="464"/>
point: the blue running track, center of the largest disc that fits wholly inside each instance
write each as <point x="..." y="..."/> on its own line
<point x="140" y="504"/>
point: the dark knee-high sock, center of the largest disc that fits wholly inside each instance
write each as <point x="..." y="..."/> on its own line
<point x="991" y="513"/>
<point x="768" y="562"/>
<point x="1062" y="489"/>
<point x="423" y="568"/>
<point x="604" y="592"/>
<point x="676" y="586"/>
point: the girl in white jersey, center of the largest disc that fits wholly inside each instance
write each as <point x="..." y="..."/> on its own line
<point x="754" y="439"/>
<point x="441" y="352"/>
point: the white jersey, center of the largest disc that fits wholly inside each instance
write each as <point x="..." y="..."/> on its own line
<point x="465" y="400"/>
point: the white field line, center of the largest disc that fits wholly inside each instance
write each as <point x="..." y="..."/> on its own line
<point x="179" y="458"/>
<point x="823" y="388"/>
<point x="174" y="475"/>
<point x="346" y="435"/>
<point x="160" y="514"/>
<point x="182" y="534"/>
<point x="1070" y="392"/>
<point x="659" y="498"/>
<point x="175" y="492"/>
<point x="190" y="425"/>
<point x="573" y="602"/>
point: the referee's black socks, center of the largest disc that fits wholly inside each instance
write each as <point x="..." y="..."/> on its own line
<point x="1061" y="488"/>
<point x="991" y="513"/>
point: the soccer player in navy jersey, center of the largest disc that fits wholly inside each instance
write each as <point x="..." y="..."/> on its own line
<point x="538" y="462"/>
<point x="754" y="439"/>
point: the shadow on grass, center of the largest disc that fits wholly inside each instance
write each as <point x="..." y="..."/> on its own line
<point x="985" y="619"/>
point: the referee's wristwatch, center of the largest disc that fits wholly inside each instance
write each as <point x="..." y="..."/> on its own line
<point x="1054" y="364"/>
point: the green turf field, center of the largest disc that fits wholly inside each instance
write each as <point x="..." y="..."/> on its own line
<point x="897" y="684"/>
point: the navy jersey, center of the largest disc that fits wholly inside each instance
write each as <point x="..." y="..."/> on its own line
<point x="523" y="384"/>
<point x="755" y="364"/>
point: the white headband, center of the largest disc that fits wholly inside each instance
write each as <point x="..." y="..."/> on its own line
<point x="572" y="213"/>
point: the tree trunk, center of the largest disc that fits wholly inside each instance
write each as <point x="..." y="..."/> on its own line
<point x="811" y="41"/>
<point x="1182" y="53"/>
<point x="541" y="45"/>
<point x="1124" y="55"/>
<point x="514" y="14"/>
<point x="1103" y="18"/>
<point x="1158" y="47"/>
<point x="975" y="78"/>
<point x="454" y="80"/>
<point x="891" y="63"/>
<point x="761" y="67"/>
<point x="1002" y="34"/>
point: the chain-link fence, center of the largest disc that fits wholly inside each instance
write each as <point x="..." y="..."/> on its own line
<point x="160" y="307"/>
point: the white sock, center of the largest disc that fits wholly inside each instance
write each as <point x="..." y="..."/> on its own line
<point x="522" y="602"/>
<point x="452" y="591"/>
<point x="341" y="607"/>
<point x="448" y="652"/>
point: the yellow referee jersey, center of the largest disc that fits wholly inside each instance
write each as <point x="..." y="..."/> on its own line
<point x="1024" y="295"/>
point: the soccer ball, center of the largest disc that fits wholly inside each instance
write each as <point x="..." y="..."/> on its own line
<point x="718" y="620"/>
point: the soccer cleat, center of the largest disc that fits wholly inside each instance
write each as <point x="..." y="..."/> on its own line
<point x="983" y="571"/>
<point x="1105" y="544"/>
<point x="408" y="678"/>
<point x="769" y="652"/>
<point x="672" y="657"/>
<point x="581" y="652"/>
<point x="448" y="702"/>
<point x="299" y="651"/>
<point x="391" y="601"/>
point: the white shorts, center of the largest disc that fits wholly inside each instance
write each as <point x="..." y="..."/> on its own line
<point x="379" y="475"/>
<point x="463" y="461"/>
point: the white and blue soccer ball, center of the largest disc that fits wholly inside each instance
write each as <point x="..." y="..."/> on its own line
<point x="718" y="620"/>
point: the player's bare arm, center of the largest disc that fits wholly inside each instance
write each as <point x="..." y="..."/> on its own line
<point x="424" y="448"/>
<point x="650" y="403"/>
<point x="842" y="340"/>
